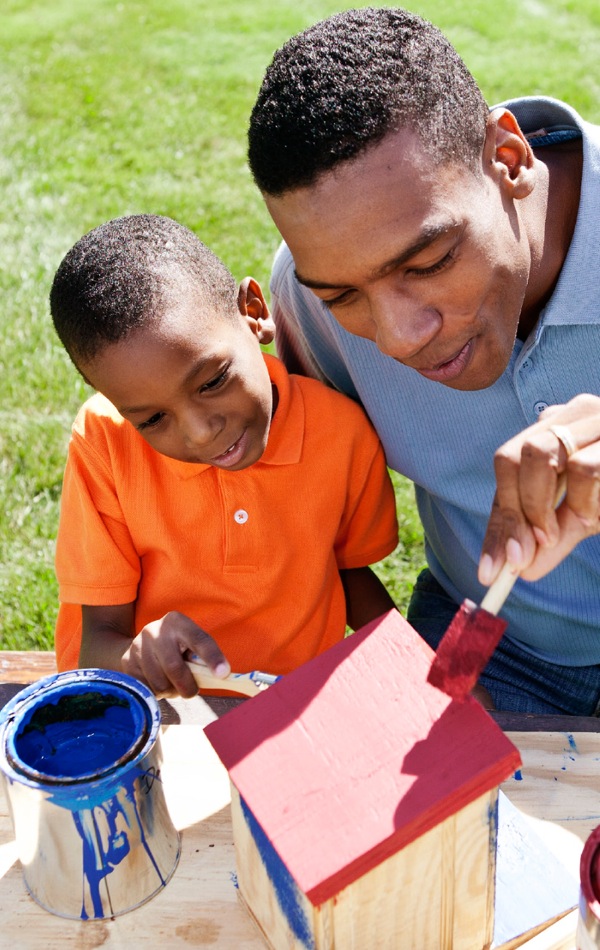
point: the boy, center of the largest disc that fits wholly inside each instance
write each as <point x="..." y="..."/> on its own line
<point x="211" y="502"/>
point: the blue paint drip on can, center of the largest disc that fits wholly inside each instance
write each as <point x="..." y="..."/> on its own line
<point x="80" y="756"/>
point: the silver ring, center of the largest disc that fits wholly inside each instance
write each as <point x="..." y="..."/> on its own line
<point x="564" y="436"/>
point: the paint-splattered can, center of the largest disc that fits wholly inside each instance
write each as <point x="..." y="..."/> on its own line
<point x="588" y="925"/>
<point x="80" y="758"/>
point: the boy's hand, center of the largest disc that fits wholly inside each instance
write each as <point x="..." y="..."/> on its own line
<point x="156" y="655"/>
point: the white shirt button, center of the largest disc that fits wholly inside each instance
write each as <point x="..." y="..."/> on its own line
<point x="241" y="516"/>
<point x="539" y="408"/>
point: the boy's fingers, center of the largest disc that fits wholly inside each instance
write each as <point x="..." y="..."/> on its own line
<point x="203" y="647"/>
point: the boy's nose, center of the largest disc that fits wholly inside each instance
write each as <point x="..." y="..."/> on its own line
<point x="198" y="429"/>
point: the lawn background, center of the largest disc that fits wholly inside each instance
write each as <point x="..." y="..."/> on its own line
<point x="113" y="108"/>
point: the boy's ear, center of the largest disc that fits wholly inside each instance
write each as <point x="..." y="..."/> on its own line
<point x="509" y="154"/>
<point x="253" y="307"/>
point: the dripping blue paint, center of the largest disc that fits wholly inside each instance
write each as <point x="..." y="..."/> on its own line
<point x="105" y="841"/>
<point x="89" y="747"/>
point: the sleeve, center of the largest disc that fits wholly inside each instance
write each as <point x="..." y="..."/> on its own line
<point x="96" y="561"/>
<point x="307" y="336"/>
<point x="369" y="528"/>
<point x="292" y="348"/>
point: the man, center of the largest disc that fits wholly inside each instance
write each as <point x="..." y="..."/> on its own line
<point x="441" y="267"/>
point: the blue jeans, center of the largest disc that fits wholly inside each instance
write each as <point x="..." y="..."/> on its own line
<point x="515" y="679"/>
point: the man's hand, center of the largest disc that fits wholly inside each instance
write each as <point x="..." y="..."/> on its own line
<point x="524" y="527"/>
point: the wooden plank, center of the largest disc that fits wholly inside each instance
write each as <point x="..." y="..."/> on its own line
<point x="559" y="779"/>
<point x="26" y="666"/>
<point x="354" y="755"/>
<point x="534" y="722"/>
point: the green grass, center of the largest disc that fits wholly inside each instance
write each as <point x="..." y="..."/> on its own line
<point x="112" y="108"/>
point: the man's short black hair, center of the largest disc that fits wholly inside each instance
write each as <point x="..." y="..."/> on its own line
<point x="345" y="83"/>
<point x="119" y="276"/>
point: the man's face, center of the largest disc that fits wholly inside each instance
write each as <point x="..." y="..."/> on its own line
<point x="195" y="387"/>
<point x="430" y="262"/>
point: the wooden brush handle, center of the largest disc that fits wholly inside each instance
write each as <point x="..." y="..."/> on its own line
<point x="235" y="682"/>
<point x="504" y="583"/>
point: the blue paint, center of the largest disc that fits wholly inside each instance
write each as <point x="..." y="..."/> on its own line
<point x="85" y="740"/>
<point x="106" y="843"/>
<point x="75" y="732"/>
<point x="572" y="742"/>
<point x="518" y="775"/>
<point x="284" y="885"/>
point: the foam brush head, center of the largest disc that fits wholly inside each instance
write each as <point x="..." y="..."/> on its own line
<point x="465" y="649"/>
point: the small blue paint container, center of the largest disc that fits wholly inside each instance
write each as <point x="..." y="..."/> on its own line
<point x="81" y="759"/>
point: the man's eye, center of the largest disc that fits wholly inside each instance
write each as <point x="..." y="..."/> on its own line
<point x="150" y="423"/>
<point x="428" y="271"/>
<point x="341" y="299"/>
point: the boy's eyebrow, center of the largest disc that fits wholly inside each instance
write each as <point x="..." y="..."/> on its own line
<point x="428" y="235"/>
<point x="196" y="368"/>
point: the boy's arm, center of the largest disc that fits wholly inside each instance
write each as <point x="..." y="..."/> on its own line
<point x="106" y="635"/>
<point x="155" y="655"/>
<point x="366" y="597"/>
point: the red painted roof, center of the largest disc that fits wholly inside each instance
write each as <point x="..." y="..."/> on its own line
<point x="353" y="755"/>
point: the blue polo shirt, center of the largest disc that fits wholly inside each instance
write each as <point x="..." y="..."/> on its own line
<point x="444" y="440"/>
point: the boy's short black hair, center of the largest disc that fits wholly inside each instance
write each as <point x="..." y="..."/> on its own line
<point x="118" y="277"/>
<point x="345" y="83"/>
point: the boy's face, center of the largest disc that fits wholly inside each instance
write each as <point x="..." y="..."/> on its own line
<point x="429" y="262"/>
<point x="195" y="386"/>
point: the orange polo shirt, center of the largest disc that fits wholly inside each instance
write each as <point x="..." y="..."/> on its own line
<point x="252" y="556"/>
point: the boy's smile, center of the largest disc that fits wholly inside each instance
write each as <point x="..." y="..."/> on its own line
<point x="195" y="386"/>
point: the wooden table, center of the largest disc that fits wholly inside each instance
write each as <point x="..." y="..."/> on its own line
<point x="558" y="786"/>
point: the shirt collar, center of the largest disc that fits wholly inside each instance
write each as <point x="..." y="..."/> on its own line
<point x="564" y="307"/>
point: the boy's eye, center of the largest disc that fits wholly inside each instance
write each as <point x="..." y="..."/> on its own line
<point x="151" y="422"/>
<point x="216" y="382"/>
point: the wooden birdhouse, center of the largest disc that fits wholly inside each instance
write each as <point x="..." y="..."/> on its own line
<point x="364" y="801"/>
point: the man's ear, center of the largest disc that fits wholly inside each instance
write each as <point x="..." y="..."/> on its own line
<point x="509" y="154"/>
<point x="252" y="305"/>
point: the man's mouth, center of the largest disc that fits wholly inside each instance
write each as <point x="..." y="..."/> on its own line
<point x="450" y="369"/>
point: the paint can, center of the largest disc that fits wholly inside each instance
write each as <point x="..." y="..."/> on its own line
<point x="80" y="758"/>
<point x="588" y="924"/>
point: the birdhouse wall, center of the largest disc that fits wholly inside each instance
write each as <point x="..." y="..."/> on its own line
<point x="437" y="893"/>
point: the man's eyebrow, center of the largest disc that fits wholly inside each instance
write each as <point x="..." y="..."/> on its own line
<point x="196" y="368"/>
<point x="428" y="236"/>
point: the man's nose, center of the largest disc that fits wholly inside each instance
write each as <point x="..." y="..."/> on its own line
<point x="403" y="325"/>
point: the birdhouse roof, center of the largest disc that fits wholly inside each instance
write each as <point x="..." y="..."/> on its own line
<point x="354" y="755"/>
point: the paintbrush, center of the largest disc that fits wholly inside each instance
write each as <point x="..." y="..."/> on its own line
<point x="250" y="684"/>
<point x="475" y="632"/>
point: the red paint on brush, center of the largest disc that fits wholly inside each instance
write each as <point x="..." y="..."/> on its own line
<point x="465" y="649"/>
